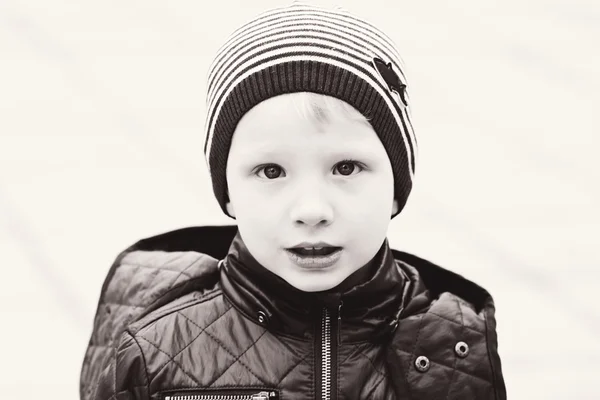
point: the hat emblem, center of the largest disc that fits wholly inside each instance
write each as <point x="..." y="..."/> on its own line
<point x="391" y="78"/>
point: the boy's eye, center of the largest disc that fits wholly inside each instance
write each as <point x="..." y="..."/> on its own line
<point x="346" y="167"/>
<point x="271" y="171"/>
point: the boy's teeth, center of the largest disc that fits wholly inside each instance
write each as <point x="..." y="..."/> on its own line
<point x="314" y="251"/>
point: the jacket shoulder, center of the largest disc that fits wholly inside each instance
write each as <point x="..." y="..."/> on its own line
<point x="145" y="277"/>
<point x="144" y="281"/>
<point x="195" y="307"/>
<point x="195" y="341"/>
<point x="437" y="280"/>
<point x="449" y="327"/>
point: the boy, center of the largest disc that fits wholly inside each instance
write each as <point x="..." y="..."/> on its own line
<point x="311" y="149"/>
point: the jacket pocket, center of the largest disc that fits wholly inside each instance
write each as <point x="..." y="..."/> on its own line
<point x="223" y="394"/>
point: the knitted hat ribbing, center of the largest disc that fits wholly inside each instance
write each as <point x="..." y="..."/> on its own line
<point x="303" y="48"/>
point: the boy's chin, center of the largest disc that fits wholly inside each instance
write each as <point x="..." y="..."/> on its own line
<point x="313" y="284"/>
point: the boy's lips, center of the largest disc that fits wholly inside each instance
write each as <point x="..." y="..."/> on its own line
<point x="315" y="261"/>
<point x="307" y="245"/>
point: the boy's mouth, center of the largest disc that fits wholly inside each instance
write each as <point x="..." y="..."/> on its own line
<point x="314" y="257"/>
<point x="314" y="251"/>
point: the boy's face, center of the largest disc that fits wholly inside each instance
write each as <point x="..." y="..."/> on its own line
<point x="289" y="183"/>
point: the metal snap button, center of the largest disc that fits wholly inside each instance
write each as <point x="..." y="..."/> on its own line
<point x="461" y="349"/>
<point x="262" y="318"/>
<point x="422" y="363"/>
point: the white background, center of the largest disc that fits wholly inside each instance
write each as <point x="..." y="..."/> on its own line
<point x="101" y="135"/>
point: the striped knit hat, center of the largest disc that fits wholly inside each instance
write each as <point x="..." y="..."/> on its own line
<point x="303" y="48"/>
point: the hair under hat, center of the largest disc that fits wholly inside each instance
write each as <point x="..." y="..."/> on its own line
<point x="303" y="48"/>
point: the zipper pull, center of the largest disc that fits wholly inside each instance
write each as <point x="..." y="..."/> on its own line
<point x="339" y="323"/>
<point x="264" y="396"/>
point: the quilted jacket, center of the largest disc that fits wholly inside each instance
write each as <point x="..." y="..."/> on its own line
<point x="191" y="315"/>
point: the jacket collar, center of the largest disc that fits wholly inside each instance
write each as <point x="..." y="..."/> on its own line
<point x="367" y="300"/>
<point x="423" y="281"/>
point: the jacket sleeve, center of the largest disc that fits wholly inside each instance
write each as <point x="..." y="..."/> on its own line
<point x="124" y="377"/>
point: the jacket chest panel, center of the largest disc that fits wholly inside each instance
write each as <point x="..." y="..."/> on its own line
<point x="363" y="372"/>
<point x="228" y="352"/>
<point x="234" y="352"/>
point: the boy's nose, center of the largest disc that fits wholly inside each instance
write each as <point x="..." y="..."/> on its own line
<point x="311" y="208"/>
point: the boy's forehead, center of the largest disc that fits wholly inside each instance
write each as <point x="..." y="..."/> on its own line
<point x="271" y="132"/>
<point x="295" y="110"/>
<point x="277" y="103"/>
<point x="282" y="146"/>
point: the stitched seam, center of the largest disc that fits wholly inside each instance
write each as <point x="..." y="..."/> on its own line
<point x="183" y="272"/>
<point x="288" y="347"/>
<point x="160" y="268"/>
<point x="231" y="354"/>
<point x="191" y="321"/>
<point x="145" y="305"/>
<point x="467" y="373"/>
<point x="123" y="304"/>
<point x="204" y="295"/>
<point x="109" y="360"/>
<point x="112" y="320"/>
<point x="292" y="368"/>
<point x="112" y="323"/>
<point x="172" y="360"/>
<point x="133" y="387"/>
<point x="144" y="360"/>
<point x="116" y="303"/>
<point x="189" y="303"/>
<point x="165" y="312"/>
<point x="495" y="383"/>
<point x="456" y="323"/>
<point x="163" y="263"/>
<point x="202" y="330"/>
<point x="237" y="359"/>
<point x="176" y="259"/>
<point x="376" y="386"/>
<point x="372" y="364"/>
<point x="352" y="350"/>
<point x="114" y="396"/>
<point x="395" y="363"/>
<point x="383" y="375"/>
<point x="125" y="265"/>
<point x="413" y="354"/>
<point x="462" y="319"/>
<point x="150" y="284"/>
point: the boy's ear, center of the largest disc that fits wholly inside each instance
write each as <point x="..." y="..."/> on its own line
<point x="395" y="207"/>
<point x="229" y="208"/>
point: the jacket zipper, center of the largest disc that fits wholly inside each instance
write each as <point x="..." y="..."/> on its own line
<point x="264" y="395"/>
<point x="326" y="355"/>
<point x="329" y="344"/>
